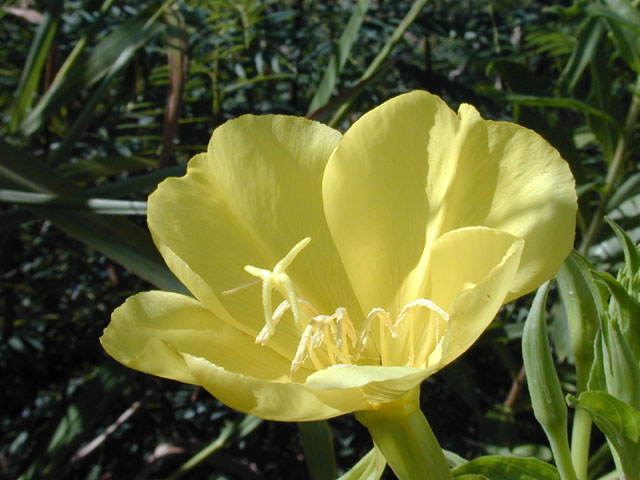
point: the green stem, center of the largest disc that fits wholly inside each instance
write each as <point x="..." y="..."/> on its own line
<point x="406" y="440"/>
<point x="580" y="439"/>
<point x="614" y="171"/>
<point x="562" y="455"/>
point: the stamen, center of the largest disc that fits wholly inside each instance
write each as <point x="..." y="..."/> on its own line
<point x="280" y="310"/>
<point x="439" y="346"/>
<point x="314" y="335"/>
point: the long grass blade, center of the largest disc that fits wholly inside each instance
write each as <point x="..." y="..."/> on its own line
<point x="338" y="60"/>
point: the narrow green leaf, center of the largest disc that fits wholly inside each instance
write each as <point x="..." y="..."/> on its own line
<point x="137" y="184"/>
<point x="629" y="188"/>
<point x="317" y="443"/>
<point x="338" y="60"/>
<point x="574" y="280"/>
<point x="601" y="97"/>
<point x="118" y="238"/>
<point x="555" y="102"/>
<point x="547" y="398"/>
<point x="619" y="422"/>
<point x="623" y="310"/>
<point x="627" y="39"/>
<point x="377" y="62"/>
<point x="544" y="387"/>
<point x="34" y="64"/>
<point x="83" y="414"/>
<point x="369" y="467"/>
<point x="631" y="254"/>
<point x="496" y="467"/>
<point x="588" y="38"/>
<point x="90" y="69"/>
<point x="230" y="433"/>
<point x="100" y="206"/>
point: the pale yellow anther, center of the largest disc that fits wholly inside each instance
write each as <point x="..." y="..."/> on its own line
<point x="279" y="280"/>
<point x="314" y="335"/>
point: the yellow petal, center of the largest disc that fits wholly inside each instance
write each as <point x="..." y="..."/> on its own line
<point x="472" y="270"/>
<point x="374" y="192"/>
<point x="253" y="196"/>
<point x="326" y="394"/>
<point x="412" y="170"/>
<point x="152" y="331"/>
<point x="376" y="384"/>
<point x="509" y="178"/>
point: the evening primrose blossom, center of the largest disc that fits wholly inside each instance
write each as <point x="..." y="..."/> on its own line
<point x="332" y="274"/>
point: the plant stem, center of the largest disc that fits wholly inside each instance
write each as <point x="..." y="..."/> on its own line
<point x="580" y="439"/>
<point x="404" y="437"/>
<point x="614" y="171"/>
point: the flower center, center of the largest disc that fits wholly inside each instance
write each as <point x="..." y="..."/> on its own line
<point x="336" y="332"/>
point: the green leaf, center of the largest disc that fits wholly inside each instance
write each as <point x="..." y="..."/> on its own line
<point x="369" y="467"/>
<point x="84" y="413"/>
<point x="555" y="102"/>
<point x="377" y="62"/>
<point x="575" y="285"/>
<point x="619" y="422"/>
<point x="547" y="399"/>
<point x="34" y="64"/>
<point x="623" y="310"/>
<point x="627" y="39"/>
<point x="588" y="39"/>
<point x="118" y="238"/>
<point x="317" y="443"/>
<point x="544" y="387"/>
<point x="100" y="206"/>
<point x="338" y="60"/>
<point x="496" y="467"/>
<point x="628" y="275"/>
<point x="89" y="70"/>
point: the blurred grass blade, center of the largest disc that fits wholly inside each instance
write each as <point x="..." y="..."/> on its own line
<point x="554" y="102"/>
<point x="230" y="433"/>
<point x="619" y="422"/>
<point x="137" y="184"/>
<point x="588" y="39"/>
<point x="81" y="44"/>
<point x="79" y="419"/>
<point x="118" y="238"/>
<point x="507" y="468"/>
<point x="176" y="37"/>
<point x="317" y="443"/>
<point x="397" y="34"/>
<point x="83" y="120"/>
<point x="547" y="398"/>
<point x="90" y="69"/>
<point x="626" y="39"/>
<point x="100" y="206"/>
<point x="369" y="467"/>
<point x="338" y="60"/>
<point x="36" y="59"/>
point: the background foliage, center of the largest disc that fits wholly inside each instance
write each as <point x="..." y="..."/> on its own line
<point x="100" y="100"/>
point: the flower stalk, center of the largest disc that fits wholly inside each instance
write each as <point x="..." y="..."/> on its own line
<point x="403" y="435"/>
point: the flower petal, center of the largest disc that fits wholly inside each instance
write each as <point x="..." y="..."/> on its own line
<point x="374" y="192"/>
<point x="327" y="393"/>
<point x="509" y="178"/>
<point x="152" y="331"/>
<point x="472" y="270"/>
<point x="253" y="196"/>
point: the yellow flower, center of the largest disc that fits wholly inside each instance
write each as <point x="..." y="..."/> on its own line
<point x="333" y="274"/>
